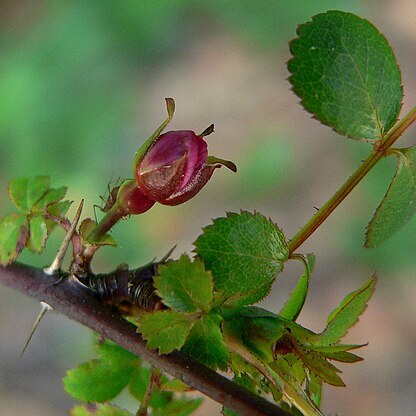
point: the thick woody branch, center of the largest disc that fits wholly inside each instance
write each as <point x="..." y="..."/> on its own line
<point x="77" y="303"/>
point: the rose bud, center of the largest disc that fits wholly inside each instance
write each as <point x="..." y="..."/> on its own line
<point x="176" y="167"/>
<point x="173" y="167"/>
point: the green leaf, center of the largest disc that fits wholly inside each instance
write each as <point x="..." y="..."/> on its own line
<point x="53" y="196"/>
<point x="399" y="204"/>
<point x="99" y="410"/>
<point x="25" y="193"/>
<point x="346" y="75"/>
<point x="314" y="388"/>
<point x="322" y="368"/>
<point x="297" y="298"/>
<point x="14" y="233"/>
<point x="245" y="252"/>
<point x="336" y="352"/>
<point x="85" y="229"/>
<point x="185" y="286"/>
<point x="101" y="379"/>
<point x="175" y="384"/>
<point x="206" y="344"/>
<point x="342" y="318"/>
<point x="260" y="331"/>
<point x="165" y="330"/>
<point x="59" y="209"/>
<point x="38" y="233"/>
<point x="179" y="407"/>
<point x="114" y="354"/>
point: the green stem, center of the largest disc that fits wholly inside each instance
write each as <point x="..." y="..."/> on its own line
<point x="378" y="153"/>
<point x="111" y="217"/>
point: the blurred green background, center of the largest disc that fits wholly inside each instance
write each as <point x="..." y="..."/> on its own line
<point x="82" y="85"/>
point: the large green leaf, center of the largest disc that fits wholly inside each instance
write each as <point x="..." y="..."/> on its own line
<point x="346" y="75"/>
<point x="399" y="204"/>
<point x="14" y="233"/>
<point x="245" y="252"/>
<point x="165" y="330"/>
<point x="294" y="304"/>
<point x="205" y="343"/>
<point x="342" y="318"/>
<point x="102" y="379"/>
<point x="185" y="286"/>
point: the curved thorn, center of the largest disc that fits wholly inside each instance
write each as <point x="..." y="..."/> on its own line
<point x="55" y="267"/>
<point x="45" y="308"/>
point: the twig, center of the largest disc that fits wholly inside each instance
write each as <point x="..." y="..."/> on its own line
<point x="77" y="303"/>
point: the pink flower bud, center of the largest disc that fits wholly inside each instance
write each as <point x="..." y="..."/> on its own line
<point x="176" y="167"/>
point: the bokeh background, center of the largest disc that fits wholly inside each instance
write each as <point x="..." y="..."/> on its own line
<point x="82" y="85"/>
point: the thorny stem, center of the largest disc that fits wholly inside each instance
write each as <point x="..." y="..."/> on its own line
<point x="378" y="153"/>
<point x="78" y="304"/>
<point x="154" y="378"/>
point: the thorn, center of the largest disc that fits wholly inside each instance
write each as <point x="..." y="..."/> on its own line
<point x="167" y="255"/>
<point x="55" y="267"/>
<point x="45" y="308"/>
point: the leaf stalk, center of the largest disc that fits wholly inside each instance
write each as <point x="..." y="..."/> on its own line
<point x="378" y="153"/>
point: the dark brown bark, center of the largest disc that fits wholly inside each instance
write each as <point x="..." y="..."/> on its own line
<point x="77" y="303"/>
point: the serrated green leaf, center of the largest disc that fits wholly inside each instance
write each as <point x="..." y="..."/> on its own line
<point x="399" y="204"/>
<point x="206" y="344"/>
<point x="52" y="196"/>
<point x="85" y="229"/>
<point x="59" y="209"/>
<point x="323" y="369"/>
<point x="185" y="286"/>
<point x="336" y="352"/>
<point x="294" y="304"/>
<point x="38" y="233"/>
<point x="165" y="330"/>
<point x="14" y="233"/>
<point x="25" y="193"/>
<point x="97" y="381"/>
<point x="138" y="386"/>
<point x="99" y="410"/>
<point x="179" y="407"/>
<point x="100" y="380"/>
<point x="245" y="252"/>
<point x="346" y="75"/>
<point x="342" y="318"/>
